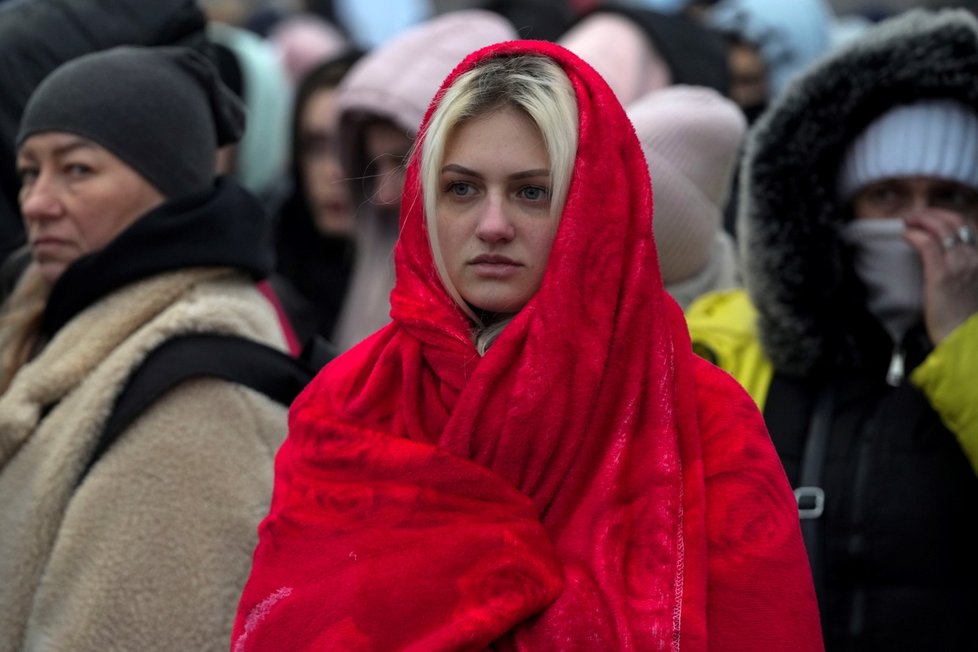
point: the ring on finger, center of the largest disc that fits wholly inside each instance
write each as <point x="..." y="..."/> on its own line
<point x="966" y="235"/>
<point x="949" y="241"/>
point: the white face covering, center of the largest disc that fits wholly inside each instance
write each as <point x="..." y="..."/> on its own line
<point x="891" y="271"/>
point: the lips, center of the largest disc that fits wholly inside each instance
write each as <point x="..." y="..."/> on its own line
<point x="493" y="259"/>
<point x="43" y="243"/>
<point x="336" y="206"/>
<point x="494" y="266"/>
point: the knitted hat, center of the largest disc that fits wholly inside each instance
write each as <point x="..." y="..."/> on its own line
<point x="304" y="41"/>
<point x="621" y="51"/>
<point x="931" y="138"/>
<point x="691" y="137"/>
<point x="163" y="111"/>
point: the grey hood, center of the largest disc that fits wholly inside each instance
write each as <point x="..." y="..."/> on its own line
<point x="812" y="317"/>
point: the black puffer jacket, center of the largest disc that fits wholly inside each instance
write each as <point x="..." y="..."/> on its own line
<point x="899" y="534"/>
<point x="36" y="36"/>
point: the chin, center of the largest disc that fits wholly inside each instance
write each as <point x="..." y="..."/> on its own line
<point x="52" y="271"/>
<point x="334" y="227"/>
<point x="498" y="306"/>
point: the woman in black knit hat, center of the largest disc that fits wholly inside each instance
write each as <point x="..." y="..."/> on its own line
<point x="135" y="243"/>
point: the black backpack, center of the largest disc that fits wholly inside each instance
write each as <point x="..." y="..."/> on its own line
<point x="272" y="372"/>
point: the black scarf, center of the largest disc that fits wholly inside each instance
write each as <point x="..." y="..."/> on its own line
<point x="224" y="226"/>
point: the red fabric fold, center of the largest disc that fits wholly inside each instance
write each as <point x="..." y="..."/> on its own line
<point x="555" y="494"/>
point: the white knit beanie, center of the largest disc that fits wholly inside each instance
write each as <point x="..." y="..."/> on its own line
<point x="931" y="138"/>
<point x="691" y="137"/>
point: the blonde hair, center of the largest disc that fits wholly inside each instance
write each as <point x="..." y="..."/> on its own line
<point x="533" y="84"/>
<point x="20" y="323"/>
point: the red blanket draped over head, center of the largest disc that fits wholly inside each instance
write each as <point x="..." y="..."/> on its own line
<point x="587" y="484"/>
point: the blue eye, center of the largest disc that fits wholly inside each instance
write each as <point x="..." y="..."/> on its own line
<point x="459" y="188"/>
<point x="534" y="193"/>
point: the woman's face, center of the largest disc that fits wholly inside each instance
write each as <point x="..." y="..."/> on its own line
<point x="901" y="197"/>
<point x="494" y="226"/>
<point x="327" y="193"/>
<point x="76" y="197"/>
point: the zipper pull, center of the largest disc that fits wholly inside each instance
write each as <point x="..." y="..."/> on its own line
<point x="894" y="374"/>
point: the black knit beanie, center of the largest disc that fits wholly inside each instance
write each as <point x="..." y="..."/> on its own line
<point x="163" y="111"/>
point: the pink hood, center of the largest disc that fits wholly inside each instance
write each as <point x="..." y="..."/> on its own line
<point x="397" y="81"/>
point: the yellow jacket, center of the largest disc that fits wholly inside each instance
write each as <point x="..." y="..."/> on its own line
<point x="722" y="326"/>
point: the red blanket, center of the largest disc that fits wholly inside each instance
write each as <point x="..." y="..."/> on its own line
<point x="587" y="484"/>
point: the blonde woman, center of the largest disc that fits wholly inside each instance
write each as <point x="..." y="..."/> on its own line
<point x="529" y="457"/>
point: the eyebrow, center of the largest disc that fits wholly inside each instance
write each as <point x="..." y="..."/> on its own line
<point x="525" y="174"/>
<point x="61" y="150"/>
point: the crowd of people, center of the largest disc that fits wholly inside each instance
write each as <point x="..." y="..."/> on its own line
<point x="542" y="325"/>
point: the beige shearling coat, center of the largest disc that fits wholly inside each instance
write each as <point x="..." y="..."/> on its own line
<point x="152" y="549"/>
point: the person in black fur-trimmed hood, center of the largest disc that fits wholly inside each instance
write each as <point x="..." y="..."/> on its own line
<point x="858" y="334"/>
<point x="134" y="243"/>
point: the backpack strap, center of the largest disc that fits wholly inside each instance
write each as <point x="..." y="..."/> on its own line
<point x="809" y="493"/>
<point x="275" y="374"/>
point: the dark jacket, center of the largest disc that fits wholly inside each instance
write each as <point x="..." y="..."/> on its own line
<point x="898" y="534"/>
<point x="37" y="36"/>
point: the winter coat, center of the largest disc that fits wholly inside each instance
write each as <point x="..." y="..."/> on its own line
<point x="149" y="549"/>
<point x="587" y="484"/>
<point x="38" y="36"/>
<point x="897" y="532"/>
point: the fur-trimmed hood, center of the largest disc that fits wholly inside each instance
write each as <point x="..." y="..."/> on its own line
<point x="812" y="315"/>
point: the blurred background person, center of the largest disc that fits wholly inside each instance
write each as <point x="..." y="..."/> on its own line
<point x="692" y="138"/>
<point x="382" y="100"/>
<point x="314" y="228"/>
<point x="771" y="41"/>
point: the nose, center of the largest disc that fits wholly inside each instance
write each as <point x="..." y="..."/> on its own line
<point x="917" y="202"/>
<point x="494" y="224"/>
<point x="39" y="201"/>
<point x="330" y="169"/>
